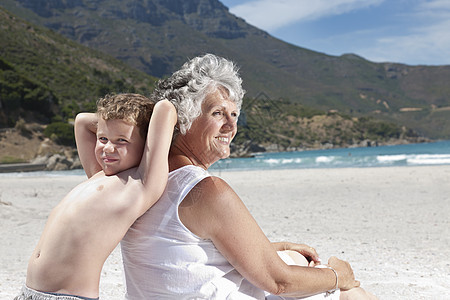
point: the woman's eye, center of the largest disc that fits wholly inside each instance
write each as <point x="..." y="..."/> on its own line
<point x="217" y="113"/>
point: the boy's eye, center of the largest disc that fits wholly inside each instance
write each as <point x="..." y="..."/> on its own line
<point x="122" y="141"/>
<point x="103" y="139"/>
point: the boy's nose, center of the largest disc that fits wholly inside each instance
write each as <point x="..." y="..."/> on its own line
<point x="109" y="147"/>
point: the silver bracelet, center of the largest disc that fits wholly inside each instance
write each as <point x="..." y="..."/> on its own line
<point x="337" y="281"/>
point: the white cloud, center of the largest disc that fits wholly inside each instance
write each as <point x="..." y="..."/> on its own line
<point x="428" y="46"/>
<point x="271" y="15"/>
<point x="433" y="5"/>
<point x="416" y="34"/>
<point x="428" y="42"/>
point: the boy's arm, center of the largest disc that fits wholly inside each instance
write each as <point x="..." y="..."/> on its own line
<point x="154" y="167"/>
<point x="86" y="138"/>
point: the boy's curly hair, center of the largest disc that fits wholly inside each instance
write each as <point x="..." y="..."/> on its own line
<point x="131" y="108"/>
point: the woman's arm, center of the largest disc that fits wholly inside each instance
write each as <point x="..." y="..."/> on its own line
<point x="212" y="210"/>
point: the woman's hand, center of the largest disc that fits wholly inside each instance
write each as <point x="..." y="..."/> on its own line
<point x="346" y="278"/>
<point x="308" y="252"/>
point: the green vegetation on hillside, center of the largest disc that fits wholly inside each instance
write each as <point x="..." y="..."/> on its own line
<point x="292" y="126"/>
<point x="19" y="94"/>
<point x="43" y="74"/>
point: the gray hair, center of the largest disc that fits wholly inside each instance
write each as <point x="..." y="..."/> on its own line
<point x="188" y="87"/>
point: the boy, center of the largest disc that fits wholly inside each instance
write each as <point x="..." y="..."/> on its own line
<point x="127" y="172"/>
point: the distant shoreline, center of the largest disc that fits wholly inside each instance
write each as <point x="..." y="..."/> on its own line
<point x="426" y="154"/>
<point x="22" y="167"/>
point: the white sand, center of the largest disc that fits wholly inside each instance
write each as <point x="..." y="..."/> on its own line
<point x="392" y="224"/>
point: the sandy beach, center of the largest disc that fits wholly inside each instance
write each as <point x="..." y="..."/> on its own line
<point x="392" y="224"/>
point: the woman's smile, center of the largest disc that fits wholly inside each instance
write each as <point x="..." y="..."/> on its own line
<point x="224" y="140"/>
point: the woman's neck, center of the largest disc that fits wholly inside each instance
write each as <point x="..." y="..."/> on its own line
<point x="180" y="156"/>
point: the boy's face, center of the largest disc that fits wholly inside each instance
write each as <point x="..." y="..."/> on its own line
<point x="119" y="146"/>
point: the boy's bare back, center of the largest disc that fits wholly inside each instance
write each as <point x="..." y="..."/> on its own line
<point x="86" y="226"/>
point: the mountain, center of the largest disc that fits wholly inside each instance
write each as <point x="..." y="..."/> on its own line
<point x="46" y="79"/>
<point x="44" y="75"/>
<point x="157" y="36"/>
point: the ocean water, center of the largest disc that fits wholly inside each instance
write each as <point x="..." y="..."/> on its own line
<point x="436" y="153"/>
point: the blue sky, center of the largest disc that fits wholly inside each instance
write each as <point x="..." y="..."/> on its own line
<point x="413" y="32"/>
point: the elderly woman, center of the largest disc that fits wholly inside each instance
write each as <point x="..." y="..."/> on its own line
<point x="199" y="241"/>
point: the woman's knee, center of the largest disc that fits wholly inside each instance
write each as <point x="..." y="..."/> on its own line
<point x="293" y="258"/>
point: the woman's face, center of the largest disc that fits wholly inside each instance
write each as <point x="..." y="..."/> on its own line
<point x="211" y="133"/>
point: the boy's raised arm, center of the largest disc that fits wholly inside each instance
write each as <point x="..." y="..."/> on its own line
<point x="154" y="167"/>
<point x="86" y="138"/>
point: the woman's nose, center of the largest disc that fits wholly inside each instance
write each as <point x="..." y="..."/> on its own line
<point x="230" y="122"/>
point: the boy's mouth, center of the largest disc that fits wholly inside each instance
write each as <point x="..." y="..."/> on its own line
<point x="109" y="159"/>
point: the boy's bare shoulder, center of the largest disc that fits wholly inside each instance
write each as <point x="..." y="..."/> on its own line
<point x="127" y="184"/>
<point x="114" y="194"/>
<point x="119" y="196"/>
<point x="124" y="184"/>
<point x="120" y="182"/>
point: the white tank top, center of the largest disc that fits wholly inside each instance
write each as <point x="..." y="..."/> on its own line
<point x="164" y="260"/>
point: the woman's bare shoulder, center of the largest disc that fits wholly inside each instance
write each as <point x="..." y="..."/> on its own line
<point x="207" y="205"/>
<point x="214" y="189"/>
